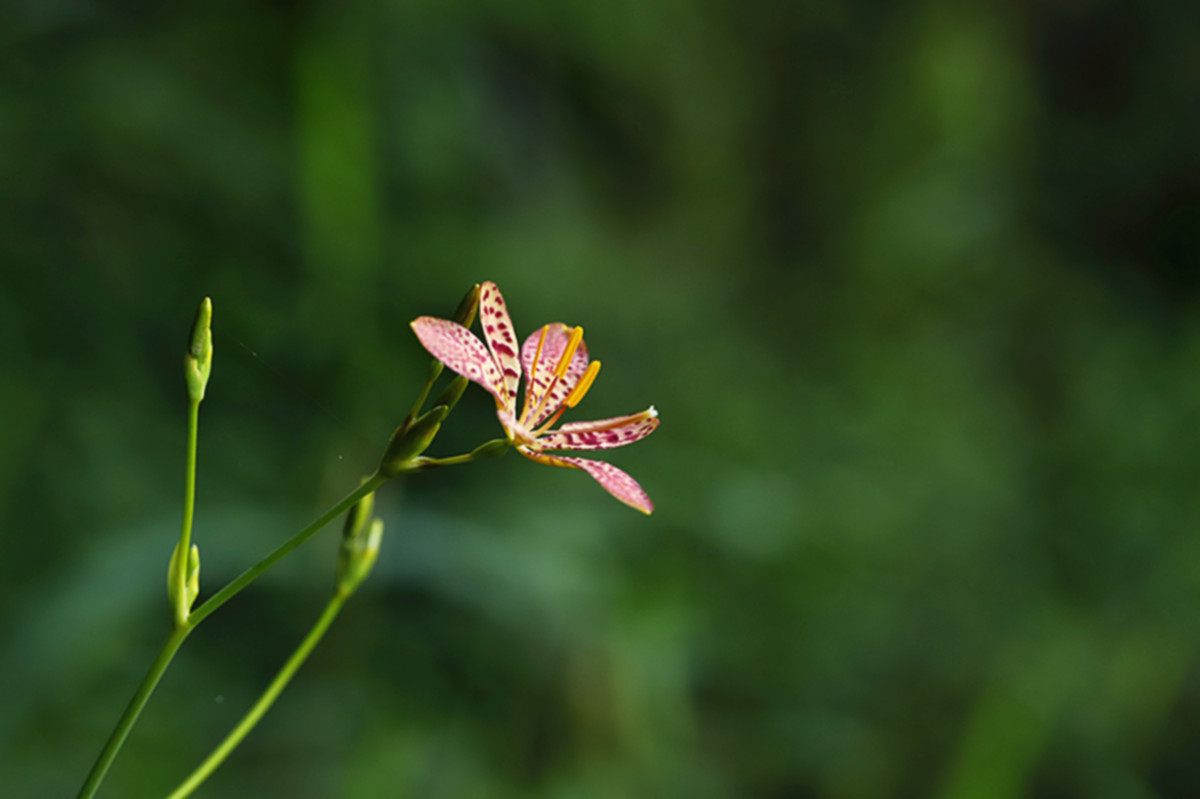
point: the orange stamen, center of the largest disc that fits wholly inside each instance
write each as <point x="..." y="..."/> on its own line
<point x="549" y="422"/>
<point x="585" y="383"/>
<point x="564" y="362"/>
<point x="537" y="356"/>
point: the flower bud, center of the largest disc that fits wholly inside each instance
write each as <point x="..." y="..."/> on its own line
<point x="197" y="362"/>
<point x="435" y="371"/>
<point x="465" y="314"/>
<point x="357" y="555"/>
<point x="491" y="449"/>
<point x="411" y="440"/>
<point x="358" y="516"/>
<point x="452" y="393"/>
<point x="191" y="586"/>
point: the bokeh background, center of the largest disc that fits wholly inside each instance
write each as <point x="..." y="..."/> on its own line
<point x="913" y="285"/>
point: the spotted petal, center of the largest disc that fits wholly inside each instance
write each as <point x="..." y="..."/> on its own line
<point x="538" y="379"/>
<point x="501" y="340"/>
<point x="602" y="434"/>
<point x="457" y="347"/>
<point x="615" y="481"/>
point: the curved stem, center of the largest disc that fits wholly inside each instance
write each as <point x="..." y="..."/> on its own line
<point x="250" y="575"/>
<point x="255" y="714"/>
<point x="170" y="646"/>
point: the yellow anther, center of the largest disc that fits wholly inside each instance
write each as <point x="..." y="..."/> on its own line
<point x="564" y="362"/>
<point x="585" y="383"/>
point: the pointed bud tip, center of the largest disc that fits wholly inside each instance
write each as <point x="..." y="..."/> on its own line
<point x="411" y="440"/>
<point x="465" y="314"/>
<point x="452" y="393"/>
<point x="201" y="338"/>
<point x="198" y="358"/>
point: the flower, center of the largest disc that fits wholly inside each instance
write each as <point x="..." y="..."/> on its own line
<point x="557" y="372"/>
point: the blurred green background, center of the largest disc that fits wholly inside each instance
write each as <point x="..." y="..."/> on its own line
<point x="913" y="285"/>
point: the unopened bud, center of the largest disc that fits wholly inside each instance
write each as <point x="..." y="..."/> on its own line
<point x="452" y="393"/>
<point x="491" y="449"/>
<point x="357" y="556"/>
<point x="465" y="314"/>
<point x="191" y="581"/>
<point x="435" y="371"/>
<point x="197" y="362"/>
<point x="411" y="440"/>
<point x="358" y="516"/>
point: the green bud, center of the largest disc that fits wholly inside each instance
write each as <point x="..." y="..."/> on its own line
<point x="358" y="516"/>
<point x="197" y="362"/>
<point x="411" y="440"/>
<point x="191" y="586"/>
<point x="491" y="449"/>
<point x="465" y="314"/>
<point x="435" y="371"/>
<point x="452" y="393"/>
<point x="357" y="555"/>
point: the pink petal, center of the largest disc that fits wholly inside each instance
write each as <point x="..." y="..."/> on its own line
<point x="615" y="481"/>
<point x="602" y="434"/>
<point x="498" y="333"/>
<point x="457" y="347"/>
<point x="556" y="341"/>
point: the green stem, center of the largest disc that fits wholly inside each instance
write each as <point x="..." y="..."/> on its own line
<point x="435" y="371"/>
<point x="255" y="714"/>
<point x="490" y="449"/>
<point x="429" y="463"/>
<point x="180" y="628"/>
<point x="179" y="578"/>
<point x="170" y="646"/>
<point x="250" y="575"/>
<point x="180" y="631"/>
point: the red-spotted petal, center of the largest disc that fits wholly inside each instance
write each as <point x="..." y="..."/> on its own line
<point x="500" y="337"/>
<point x="457" y="347"/>
<point x="602" y="434"/>
<point x="615" y="481"/>
<point x="539" y="379"/>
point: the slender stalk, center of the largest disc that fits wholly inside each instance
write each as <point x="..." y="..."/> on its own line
<point x="181" y="631"/>
<point x="435" y="371"/>
<point x="180" y="627"/>
<point x="255" y="714"/>
<point x="429" y="463"/>
<point x="179" y="578"/>
<point x="170" y="646"/>
<point x="250" y="575"/>
<point x="490" y="449"/>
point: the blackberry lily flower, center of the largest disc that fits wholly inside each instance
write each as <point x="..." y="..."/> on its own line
<point x="557" y="372"/>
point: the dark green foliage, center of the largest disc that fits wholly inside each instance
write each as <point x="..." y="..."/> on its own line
<point x="914" y="287"/>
